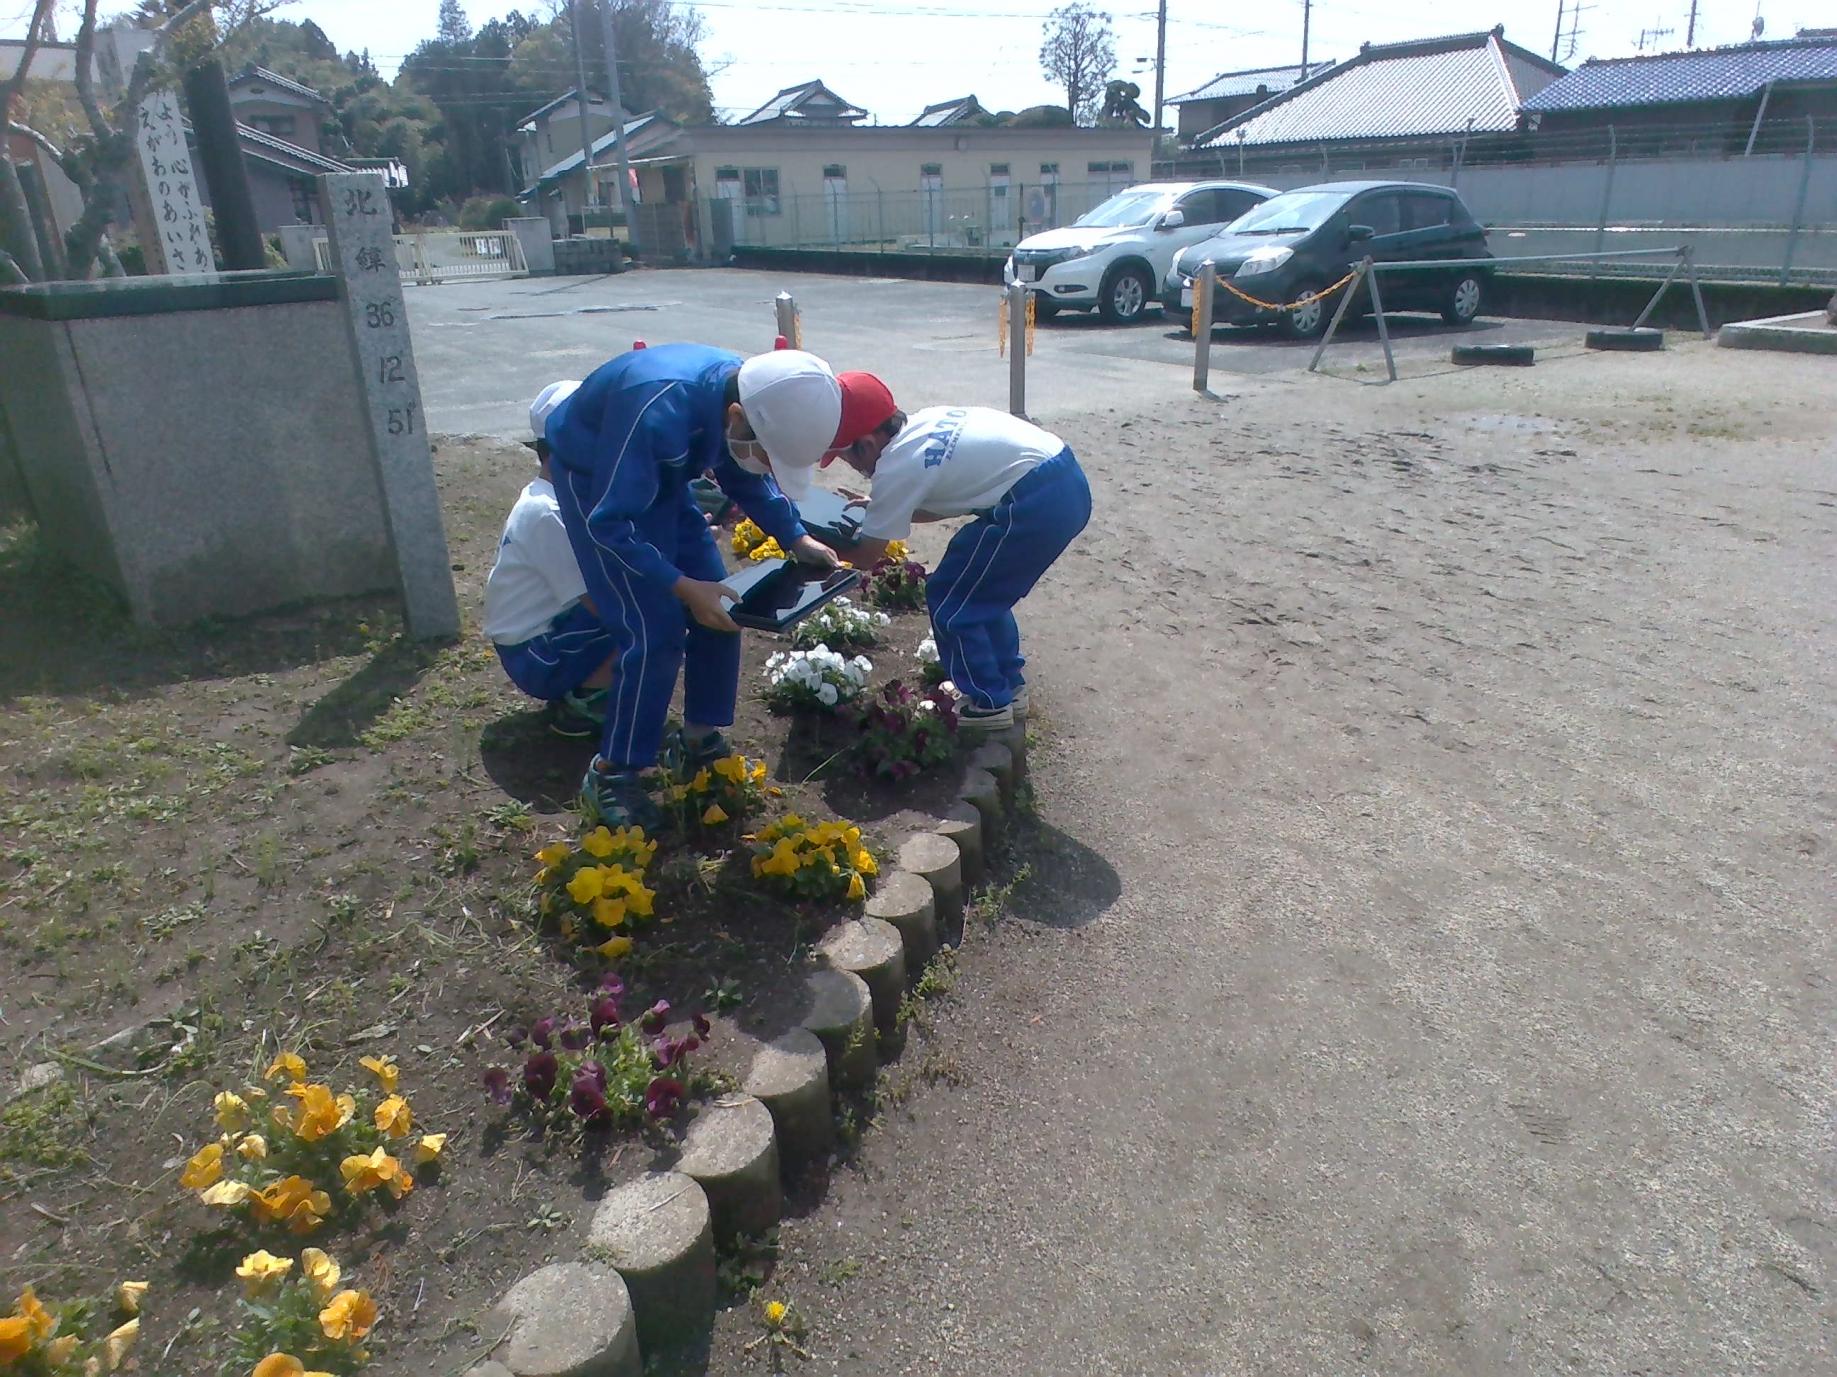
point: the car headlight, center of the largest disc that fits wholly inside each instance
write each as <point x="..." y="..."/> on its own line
<point x="1264" y="261"/>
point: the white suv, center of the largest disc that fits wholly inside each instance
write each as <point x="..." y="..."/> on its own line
<point x="1116" y="256"/>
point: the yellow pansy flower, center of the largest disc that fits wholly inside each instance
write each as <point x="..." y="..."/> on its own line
<point x="552" y="856"/>
<point x="289" y="1064"/>
<point x="598" y="843"/>
<point x="731" y="768"/>
<point x="429" y="1148"/>
<point x="293" y="1201"/>
<point x="864" y="862"/>
<point x="252" y="1148"/>
<point x="348" y="1315"/>
<point x="642" y="902"/>
<point x="58" y="1351"/>
<point x="614" y="947"/>
<point x="116" y="1346"/>
<point x="232" y="1111"/>
<point x="204" y="1169"/>
<point x="608" y="912"/>
<point x="128" y="1296"/>
<point x="283" y="1365"/>
<point x="758" y="772"/>
<point x="586" y="885"/>
<point x="320" y="1113"/>
<point x="226" y="1194"/>
<point x="857" y="887"/>
<point x="384" y="1069"/>
<point x="323" y="1273"/>
<point x="15" y="1337"/>
<point x="714" y="815"/>
<point x="394" y="1118"/>
<point x="261" y="1271"/>
<point x="364" y="1172"/>
<point x="41" y="1321"/>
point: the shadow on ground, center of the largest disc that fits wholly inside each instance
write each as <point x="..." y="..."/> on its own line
<point x="531" y="764"/>
<point x="65" y="632"/>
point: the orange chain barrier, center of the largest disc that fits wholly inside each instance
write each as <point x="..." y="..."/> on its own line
<point x="1273" y="306"/>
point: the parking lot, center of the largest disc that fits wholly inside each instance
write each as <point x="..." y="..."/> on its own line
<point x="486" y="348"/>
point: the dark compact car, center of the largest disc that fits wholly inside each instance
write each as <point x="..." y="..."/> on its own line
<point x="1307" y="239"/>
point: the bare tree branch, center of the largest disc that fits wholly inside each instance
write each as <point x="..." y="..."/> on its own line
<point x="11" y="87"/>
<point x="85" y="75"/>
<point x="26" y="131"/>
<point x="11" y="272"/>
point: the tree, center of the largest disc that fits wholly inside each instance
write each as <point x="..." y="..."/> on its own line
<point x="454" y="27"/>
<point x="98" y="154"/>
<point x="1079" y="55"/>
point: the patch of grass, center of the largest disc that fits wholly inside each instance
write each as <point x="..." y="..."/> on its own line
<point x="746" y="1264"/>
<point x="512" y="816"/>
<point x="934" y="982"/>
<point x="839" y="1272"/>
<point x="42" y="1130"/>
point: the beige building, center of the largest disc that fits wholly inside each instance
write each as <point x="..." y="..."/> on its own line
<point x="786" y="183"/>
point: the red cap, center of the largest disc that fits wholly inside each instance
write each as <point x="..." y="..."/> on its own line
<point x="867" y="405"/>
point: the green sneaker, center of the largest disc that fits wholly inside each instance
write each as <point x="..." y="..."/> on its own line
<point x="578" y="716"/>
<point x="680" y="756"/>
<point x="618" y="798"/>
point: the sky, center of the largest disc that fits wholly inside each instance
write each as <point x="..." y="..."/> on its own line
<point x="894" y="57"/>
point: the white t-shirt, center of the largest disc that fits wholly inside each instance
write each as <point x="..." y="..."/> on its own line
<point x="951" y="461"/>
<point x="536" y="578"/>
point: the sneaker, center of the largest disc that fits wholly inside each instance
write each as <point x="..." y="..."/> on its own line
<point x="680" y="756"/>
<point x="976" y="721"/>
<point x="618" y="798"/>
<point x="578" y="716"/>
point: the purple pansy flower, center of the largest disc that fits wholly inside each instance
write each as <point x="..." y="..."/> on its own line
<point x="497" y="1085"/>
<point x="539" y="1074"/>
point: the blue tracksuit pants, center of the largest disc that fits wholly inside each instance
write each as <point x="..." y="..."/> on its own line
<point x="993" y="563"/>
<point x="654" y="635"/>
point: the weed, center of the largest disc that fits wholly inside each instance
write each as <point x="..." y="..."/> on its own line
<point x="746" y="1264"/>
<point x="341" y="910"/>
<point x="305" y="759"/>
<point x="546" y="1219"/>
<point x="512" y="816"/>
<point x="722" y="995"/>
<point x="934" y="982"/>
<point x="839" y="1272"/>
<point x="992" y="901"/>
<point x="169" y="920"/>
<point x="461" y="855"/>
<point x="41" y="1130"/>
<point x="268" y="860"/>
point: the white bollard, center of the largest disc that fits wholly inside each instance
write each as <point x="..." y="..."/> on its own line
<point x="787" y="320"/>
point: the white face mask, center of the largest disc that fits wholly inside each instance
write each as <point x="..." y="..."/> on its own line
<point x="748" y="454"/>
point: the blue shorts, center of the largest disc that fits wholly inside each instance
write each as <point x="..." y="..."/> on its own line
<point x="561" y="659"/>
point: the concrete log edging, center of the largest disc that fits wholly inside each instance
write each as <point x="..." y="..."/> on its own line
<point x="962" y="823"/>
<point x="569" y="1319"/>
<point x="657" y="1232"/>
<point x="842" y="1017"/>
<point x="731" y="1151"/>
<point x="790" y="1077"/>
<point x="905" y="901"/>
<point x="937" y="861"/>
<point x="998" y="759"/>
<point x="873" y="949"/>
<point x="982" y="790"/>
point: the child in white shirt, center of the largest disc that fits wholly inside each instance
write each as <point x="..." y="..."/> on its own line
<point x="1030" y="500"/>
<point x="537" y="613"/>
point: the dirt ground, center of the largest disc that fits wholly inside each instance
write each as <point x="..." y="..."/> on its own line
<point x="299" y="831"/>
<point x="1436" y="973"/>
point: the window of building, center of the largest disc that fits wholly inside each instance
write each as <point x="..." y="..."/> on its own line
<point x="834" y="171"/>
<point x="303" y="200"/>
<point x="998" y="169"/>
<point x="1049" y="170"/>
<point x="281" y="126"/>
<point x="931" y="170"/>
<point x="761" y="185"/>
<point x="727" y="183"/>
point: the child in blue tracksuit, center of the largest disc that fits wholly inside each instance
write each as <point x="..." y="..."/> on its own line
<point x="624" y="448"/>
<point x="1030" y="500"/>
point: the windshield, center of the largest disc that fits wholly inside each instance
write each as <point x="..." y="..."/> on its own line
<point x="1291" y="212"/>
<point x="1125" y="209"/>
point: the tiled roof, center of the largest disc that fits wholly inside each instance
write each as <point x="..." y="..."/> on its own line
<point x="1446" y="85"/>
<point x="559" y="101"/>
<point x="1707" y="74"/>
<point x="1248" y="83"/>
<point x="947" y="112"/>
<point x="785" y="105"/>
<point x="602" y="144"/>
<point x="275" y="79"/>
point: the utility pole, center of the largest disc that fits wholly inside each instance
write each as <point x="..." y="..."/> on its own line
<point x="580" y="94"/>
<point x="1160" y="65"/>
<point x="1557" y="41"/>
<point x="1306" y="8"/>
<point x="610" y="44"/>
<point x="1690" y="35"/>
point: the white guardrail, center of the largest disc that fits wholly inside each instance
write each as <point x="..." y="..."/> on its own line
<point x="448" y="256"/>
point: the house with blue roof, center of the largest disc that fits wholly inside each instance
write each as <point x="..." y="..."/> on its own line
<point x="1748" y="98"/>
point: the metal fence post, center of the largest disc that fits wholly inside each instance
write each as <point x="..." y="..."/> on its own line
<point x="1017" y="349"/>
<point x="1607" y="189"/>
<point x="797" y="233"/>
<point x="1203" y="287"/>
<point x="1798" y="209"/>
<point x="1696" y="291"/>
<point x="1339" y="312"/>
<point x="786" y="305"/>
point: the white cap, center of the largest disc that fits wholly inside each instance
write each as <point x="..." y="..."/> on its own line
<point x="544" y="406"/>
<point x="794" y="405"/>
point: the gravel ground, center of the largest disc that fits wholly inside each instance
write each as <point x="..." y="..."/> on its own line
<point x="1432" y="973"/>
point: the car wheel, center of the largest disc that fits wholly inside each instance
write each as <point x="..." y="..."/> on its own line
<point x="1309" y="321"/>
<point x="1044" y="309"/>
<point x="1462" y="303"/>
<point x="1125" y="295"/>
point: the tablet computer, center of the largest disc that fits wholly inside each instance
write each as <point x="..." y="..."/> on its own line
<point x="777" y="594"/>
<point x="831" y="518"/>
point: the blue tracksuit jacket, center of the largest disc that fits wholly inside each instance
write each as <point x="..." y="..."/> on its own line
<point x="624" y="448"/>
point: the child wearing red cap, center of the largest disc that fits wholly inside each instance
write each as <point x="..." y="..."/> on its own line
<point x="1029" y="498"/>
